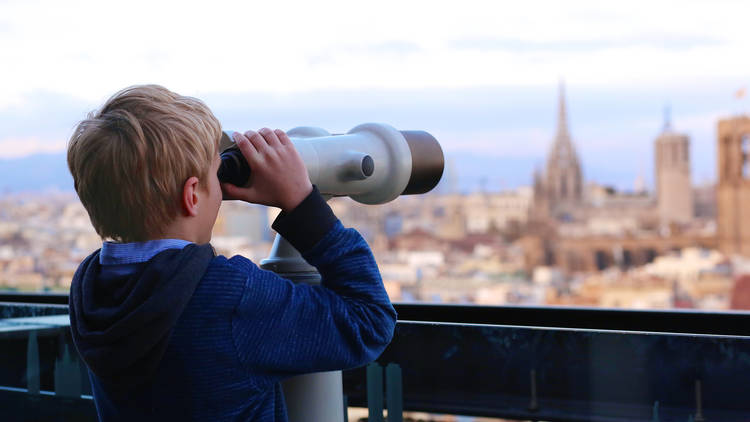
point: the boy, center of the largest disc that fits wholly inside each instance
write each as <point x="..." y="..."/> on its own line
<point x="168" y="330"/>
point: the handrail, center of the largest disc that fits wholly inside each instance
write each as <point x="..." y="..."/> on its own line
<point x="681" y="321"/>
<point x="36" y="298"/>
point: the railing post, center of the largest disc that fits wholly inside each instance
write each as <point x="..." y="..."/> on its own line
<point x="698" y="402"/>
<point x="533" y="402"/>
<point x="67" y="375"/>
<point x="32" y="364"/>
<point x="393" y="393"/>
<point x="374" y="392"/>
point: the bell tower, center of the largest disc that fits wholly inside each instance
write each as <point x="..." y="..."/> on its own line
<point x="674" y="191"/>
<point x="733" y="189"/>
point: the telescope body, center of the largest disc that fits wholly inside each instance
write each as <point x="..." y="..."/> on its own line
<point x="373" y="163"/>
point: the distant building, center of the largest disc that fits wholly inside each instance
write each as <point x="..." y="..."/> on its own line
<point x="740" y="296"/>
<point x="577" y="229"/>
<point x="673" y="185"/>
<point x="733" y="189"/>
<point x="704" y="201"/>
<point x="560" y="189"/>
<point x="486" y="212"/>
<point x="239" y="219"/>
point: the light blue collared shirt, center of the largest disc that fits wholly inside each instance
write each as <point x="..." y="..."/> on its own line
<point x="121" y="259"/>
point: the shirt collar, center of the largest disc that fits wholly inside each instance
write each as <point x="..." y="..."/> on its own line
<point x="114" y="253"/>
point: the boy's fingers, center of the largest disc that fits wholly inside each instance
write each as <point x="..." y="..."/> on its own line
<point x="237" y="192"/>
<point x="283" y="138"/>
<point x="258" y="142"/>
<point x="270" y="136"/>
<point x="230" y="191"/>
<point x="250" y="195"/>
<point x="247" y="148"/>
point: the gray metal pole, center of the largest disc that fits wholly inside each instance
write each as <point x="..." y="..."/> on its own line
<point x="311" y="397"/>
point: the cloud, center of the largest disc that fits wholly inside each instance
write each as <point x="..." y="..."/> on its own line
<point x="500" y="142"/>
<point x="383" y="50"/>
<point x="17" y="148"/>
<point x="330" y="45"/>
<point x="658" y="41"/>
<point x="39" y="122"/>
<point x="392" y="47"/>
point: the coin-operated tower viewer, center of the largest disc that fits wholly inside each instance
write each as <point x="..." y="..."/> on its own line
<point x="373" y="164"/>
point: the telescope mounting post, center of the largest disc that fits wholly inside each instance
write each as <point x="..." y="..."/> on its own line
<point x="311" y="397"/>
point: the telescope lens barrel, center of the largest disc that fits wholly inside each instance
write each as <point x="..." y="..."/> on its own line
<point x="427" y="162"/>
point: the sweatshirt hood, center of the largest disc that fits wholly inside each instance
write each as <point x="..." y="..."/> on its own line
<point x="121" y="324"/>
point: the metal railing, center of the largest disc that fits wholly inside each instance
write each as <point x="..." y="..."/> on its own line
<point x="530" y="363"/>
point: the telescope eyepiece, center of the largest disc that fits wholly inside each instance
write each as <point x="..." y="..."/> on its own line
<point x="368" y="165"/>
<point x="234" y="168"/>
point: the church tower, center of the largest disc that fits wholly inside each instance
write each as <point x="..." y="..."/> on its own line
<point x="563" y="177"/>
<point x="674" y="192"/>
<point x="733" y="190"/>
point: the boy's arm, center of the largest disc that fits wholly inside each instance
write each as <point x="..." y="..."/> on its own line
<point x="283" y="329"/>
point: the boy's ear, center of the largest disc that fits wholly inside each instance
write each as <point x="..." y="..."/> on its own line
<point x="190" y="197"/>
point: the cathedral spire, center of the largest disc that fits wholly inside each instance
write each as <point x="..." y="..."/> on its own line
<point x="562" y="114"/>
<point x="667" y="118"/>
<point x="563" y="177"/>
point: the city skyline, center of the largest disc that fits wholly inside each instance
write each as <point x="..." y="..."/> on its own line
<point x="549" y="244"/>
<point x="486" y="162"/>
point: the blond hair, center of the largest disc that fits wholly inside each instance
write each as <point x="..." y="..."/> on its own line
<point x="131" y="158"/>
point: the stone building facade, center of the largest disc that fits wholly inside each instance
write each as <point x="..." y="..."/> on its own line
<point x="674" y="190"/>
<point x="733" y="189"/>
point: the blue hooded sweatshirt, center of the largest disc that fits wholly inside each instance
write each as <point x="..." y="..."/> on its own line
<point x="188" y="335"/>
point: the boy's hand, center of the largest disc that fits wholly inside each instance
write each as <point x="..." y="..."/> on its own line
<point x="278" y="175"/>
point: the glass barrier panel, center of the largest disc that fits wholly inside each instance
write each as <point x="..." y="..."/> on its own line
<point x="41" y="376"/>
<point x="559" y="374"/>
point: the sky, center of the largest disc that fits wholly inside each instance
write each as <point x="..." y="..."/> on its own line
<point x="482" y="76"/>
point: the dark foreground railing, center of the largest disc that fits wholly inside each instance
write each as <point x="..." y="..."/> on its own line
<point x="563" y="374"/>
<point x="552" y="364"/>
<point x="724" y="323"/>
